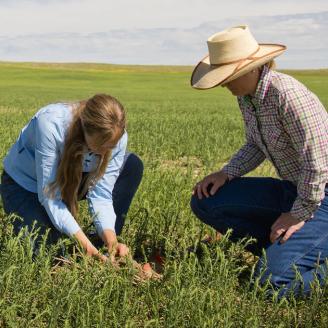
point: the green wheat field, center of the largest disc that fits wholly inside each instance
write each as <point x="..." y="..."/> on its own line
<point x="181" y="134"/>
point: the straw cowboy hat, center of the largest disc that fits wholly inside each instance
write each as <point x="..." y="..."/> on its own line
<point x="232" y="53"/>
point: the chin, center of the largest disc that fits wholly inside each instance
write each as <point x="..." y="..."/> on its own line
<point x="234" y="93"/>
<point x="239" y="94"/>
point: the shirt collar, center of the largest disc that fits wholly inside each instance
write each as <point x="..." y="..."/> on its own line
<point x="262" y="86"/>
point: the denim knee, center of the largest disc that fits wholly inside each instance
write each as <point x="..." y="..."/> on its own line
<point x="198" y="208"/>
<point x="194" y="204"/>
<point x="275" y="275"/>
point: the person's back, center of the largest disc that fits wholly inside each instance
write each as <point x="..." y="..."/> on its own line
<point x="20" y="160"/>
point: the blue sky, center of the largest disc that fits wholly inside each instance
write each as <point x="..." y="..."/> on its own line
<point x="157" y="32"/>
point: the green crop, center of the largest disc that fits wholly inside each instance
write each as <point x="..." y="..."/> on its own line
<point x="181" y="134"/>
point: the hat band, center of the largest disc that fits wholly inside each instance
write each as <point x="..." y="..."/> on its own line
<point x="238" y="60"/>
<point x="250" y="57"/>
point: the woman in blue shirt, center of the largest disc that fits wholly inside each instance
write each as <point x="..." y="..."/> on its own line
<point x="68" y="152"/>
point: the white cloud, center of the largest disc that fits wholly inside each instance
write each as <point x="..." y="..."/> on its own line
<point x="304" y="34"/>
<point x="86" y="16"/>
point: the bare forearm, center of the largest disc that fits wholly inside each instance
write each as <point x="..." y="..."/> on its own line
<point x="86" y="244"/>
<point x="109" y="238"/>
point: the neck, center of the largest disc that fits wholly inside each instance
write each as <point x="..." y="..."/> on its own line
<point x="255" y="82"/>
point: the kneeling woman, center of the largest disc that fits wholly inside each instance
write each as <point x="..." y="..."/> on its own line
<point x="68" y="152"/>
<point x="286" y="124"/>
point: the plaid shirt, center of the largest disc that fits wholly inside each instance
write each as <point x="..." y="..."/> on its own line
<point x="286" y="124"/>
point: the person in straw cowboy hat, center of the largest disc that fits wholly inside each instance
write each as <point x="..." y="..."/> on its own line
<point x="286" y="124"/>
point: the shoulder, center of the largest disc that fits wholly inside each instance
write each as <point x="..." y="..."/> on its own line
<point x="54" y="117"/>
<point x="295" y="99"/>
<point x="54" y="112"/>
<point x="286" y="86"/>
<point x="290" y="92"/>
<point x="51" y="123"/>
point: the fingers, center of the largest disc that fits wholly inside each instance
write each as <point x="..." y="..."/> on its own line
<point x="104" y="258"/>
<point x="286" y="233"/>
<point x="194" y="191"/>
<point x="199" y="190"/>
<point x="284" y="227"/>
<point x="204" y="186"/>
<point x="101" y="257"/>
<point x="215" y="187"/>
<point x="217" y="180"/>
<point x="286" y="236"/>
<point x="275" y="234"/>
<point x="291" y="231"/>
<point x="122" y="250"/>
<point x="277" y="229"/>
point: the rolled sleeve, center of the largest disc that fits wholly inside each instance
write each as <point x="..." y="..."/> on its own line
<point x="245" y="160"/>
<point x="100" y="197"/>
<point x="46" y="161"/>
<point x="303" y="210"/>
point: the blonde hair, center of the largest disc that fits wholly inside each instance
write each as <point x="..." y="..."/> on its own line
<point x="103" y="118"/>
<point x="271" y="64"/>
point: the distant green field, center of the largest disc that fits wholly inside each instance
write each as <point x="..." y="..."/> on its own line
<point x="181" y="134"/>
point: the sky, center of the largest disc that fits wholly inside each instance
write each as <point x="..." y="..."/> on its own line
<point x="172" y="32"/>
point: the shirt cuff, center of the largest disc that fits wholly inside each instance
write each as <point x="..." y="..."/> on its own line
<point x="230" y="171"/>
<point x="303" y="210"/>
<point x="71" y="229"/>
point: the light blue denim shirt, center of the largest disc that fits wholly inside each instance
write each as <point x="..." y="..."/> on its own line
<point x="33" y="160"/>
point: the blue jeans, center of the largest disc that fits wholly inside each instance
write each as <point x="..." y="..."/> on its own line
<point x="26" y="204"/>
<point x="249" y="206"/>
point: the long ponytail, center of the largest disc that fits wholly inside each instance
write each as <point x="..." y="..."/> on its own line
<point x="104" y="119"/>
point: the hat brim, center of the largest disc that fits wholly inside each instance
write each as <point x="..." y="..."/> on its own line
<point x="207" y="76"/>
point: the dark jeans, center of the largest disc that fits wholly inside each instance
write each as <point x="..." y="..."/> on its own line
<point x="26" y="204"/>
<point x="249" y="206"/>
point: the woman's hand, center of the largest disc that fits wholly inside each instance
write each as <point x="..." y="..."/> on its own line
<point x="89" y="248"/>
<point x="216" y="179"/>
<point x="118" y="252"/>
<point x="101" y="257"/>
<point x="285" y="225"/>
<point x="115" y="249"/>
<point x="122" y="250"/>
